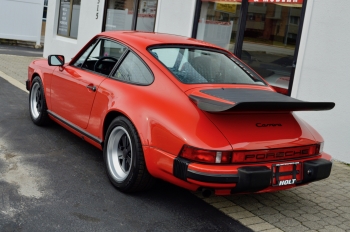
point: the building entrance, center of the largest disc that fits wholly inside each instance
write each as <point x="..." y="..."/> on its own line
<point x="264" y="34"/>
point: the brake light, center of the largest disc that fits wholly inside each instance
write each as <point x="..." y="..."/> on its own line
<point x="205" y="156"/>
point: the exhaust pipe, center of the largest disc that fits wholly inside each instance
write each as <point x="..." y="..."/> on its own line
<point x="206" y="192"/>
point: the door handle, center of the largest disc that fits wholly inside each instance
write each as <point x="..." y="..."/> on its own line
<point x="92" y="87"/>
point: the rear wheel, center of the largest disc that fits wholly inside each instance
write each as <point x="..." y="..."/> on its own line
<point x="123" y="155"/>
<point x="37" y="103"/>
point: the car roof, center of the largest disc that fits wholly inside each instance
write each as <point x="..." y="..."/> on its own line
<point x="142" y="40"/>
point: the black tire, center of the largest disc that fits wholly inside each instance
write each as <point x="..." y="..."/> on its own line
<point x="124" y="159"/>
<point x="37" y="103"/>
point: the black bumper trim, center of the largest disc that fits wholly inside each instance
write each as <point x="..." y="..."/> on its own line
<point x="180" y="168"/>
<point x="316" y="170"/>
<point x="253" y="179"/>
<point x="250" y="178"/>
<point x="28" y="85"/>
<point x="212" y="178"/>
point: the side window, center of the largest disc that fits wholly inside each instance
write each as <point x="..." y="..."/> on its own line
<point x="82" y="58"/>
<point x="133" y="70"/>
<point x="101" y="58"/>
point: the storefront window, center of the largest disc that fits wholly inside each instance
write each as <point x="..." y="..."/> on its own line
<point x="69" y="18"/>
<point x="265" y="38"/>
<point x="218" y="22"/>
<point x="270" y="38"/>
<point x="45" y="10"/>
<point x="146" y="15"/>
<point x="119" y="14"/>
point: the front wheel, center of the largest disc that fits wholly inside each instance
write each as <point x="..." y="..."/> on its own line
<point x="37" y="103"/>
<point x="123" y="155"/>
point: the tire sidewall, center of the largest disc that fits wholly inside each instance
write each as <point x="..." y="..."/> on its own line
<point x="127" y="183"/>
<point x="39" y="119"/>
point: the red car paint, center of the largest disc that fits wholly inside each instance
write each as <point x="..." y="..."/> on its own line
<point x="166" y="119"/>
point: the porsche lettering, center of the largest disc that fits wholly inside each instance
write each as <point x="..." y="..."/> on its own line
<point x="272" y="155"/>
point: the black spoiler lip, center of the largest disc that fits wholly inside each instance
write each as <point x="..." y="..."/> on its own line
<point x="254" y="100"/>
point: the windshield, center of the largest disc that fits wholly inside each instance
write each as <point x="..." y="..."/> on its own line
<point x="200" y="66"/>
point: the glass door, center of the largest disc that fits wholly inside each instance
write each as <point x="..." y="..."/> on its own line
<point x="146" y="15"/>
<point x="270" y="38"/>
<point x="218" y="22"/>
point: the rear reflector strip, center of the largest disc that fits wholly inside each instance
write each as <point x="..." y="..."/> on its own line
<point x="274" y="154"/>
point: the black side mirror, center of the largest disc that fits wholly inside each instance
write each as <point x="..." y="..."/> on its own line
<point x="56" y="60"/>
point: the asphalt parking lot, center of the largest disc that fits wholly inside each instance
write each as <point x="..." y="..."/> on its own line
<point x="50" y="180"/>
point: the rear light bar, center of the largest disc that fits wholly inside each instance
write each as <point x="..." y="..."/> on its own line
<point x="225" y="157"/>
<point x="275" y="154"/>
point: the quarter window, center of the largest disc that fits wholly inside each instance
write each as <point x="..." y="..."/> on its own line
<point x="68" y="20"/>
<point x="133" y="70"/>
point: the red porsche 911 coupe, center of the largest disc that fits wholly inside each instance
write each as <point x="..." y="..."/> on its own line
<point x="178" y="109"/>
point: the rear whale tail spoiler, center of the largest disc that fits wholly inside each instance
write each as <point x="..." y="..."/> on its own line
<point x="237" y="100"/>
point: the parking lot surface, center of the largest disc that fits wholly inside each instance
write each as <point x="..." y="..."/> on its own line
<point x="66" y="179"/>
<point x="50" y="180"/>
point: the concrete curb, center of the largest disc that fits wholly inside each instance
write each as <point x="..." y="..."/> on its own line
<point x="14" y="82"/>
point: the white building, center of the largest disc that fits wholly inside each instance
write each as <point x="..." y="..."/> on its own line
<point x="21" y="20"/>
<point x="298" y="45"/>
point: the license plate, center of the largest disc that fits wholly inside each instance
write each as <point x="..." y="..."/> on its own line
<point x="286" y="174"/>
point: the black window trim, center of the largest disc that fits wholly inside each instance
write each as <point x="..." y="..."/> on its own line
<point x="249" y="71"/>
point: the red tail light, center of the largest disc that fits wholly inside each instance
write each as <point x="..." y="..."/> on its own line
<point x="206" y="156"/>
<point x="225" y="157"/>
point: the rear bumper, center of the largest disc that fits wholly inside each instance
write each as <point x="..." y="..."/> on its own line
<point x="248" y="178"/>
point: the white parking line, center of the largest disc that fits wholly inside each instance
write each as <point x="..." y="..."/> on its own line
<point x="13" y="81"/>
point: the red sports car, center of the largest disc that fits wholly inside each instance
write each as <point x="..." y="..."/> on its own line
<point x="178" y="109"/>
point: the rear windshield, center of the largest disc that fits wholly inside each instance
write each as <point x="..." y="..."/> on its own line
<point x="200" y="66"/>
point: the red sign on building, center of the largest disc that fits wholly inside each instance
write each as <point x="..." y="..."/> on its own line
<point x="258" y="1"/>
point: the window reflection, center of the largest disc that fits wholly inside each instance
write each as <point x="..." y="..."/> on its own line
<point x="269" y="40"/>
<point x="119" y="14"/>
<point x="218" y="23"/>
<point x="146" y="16"/>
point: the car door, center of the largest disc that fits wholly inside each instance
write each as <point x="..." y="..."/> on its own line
<point x="74" y="86"/>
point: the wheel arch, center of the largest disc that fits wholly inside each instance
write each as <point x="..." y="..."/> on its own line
<point x="112" y="114"/>
<point x="107" y="121"/>
<point x="37" y="73"/>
